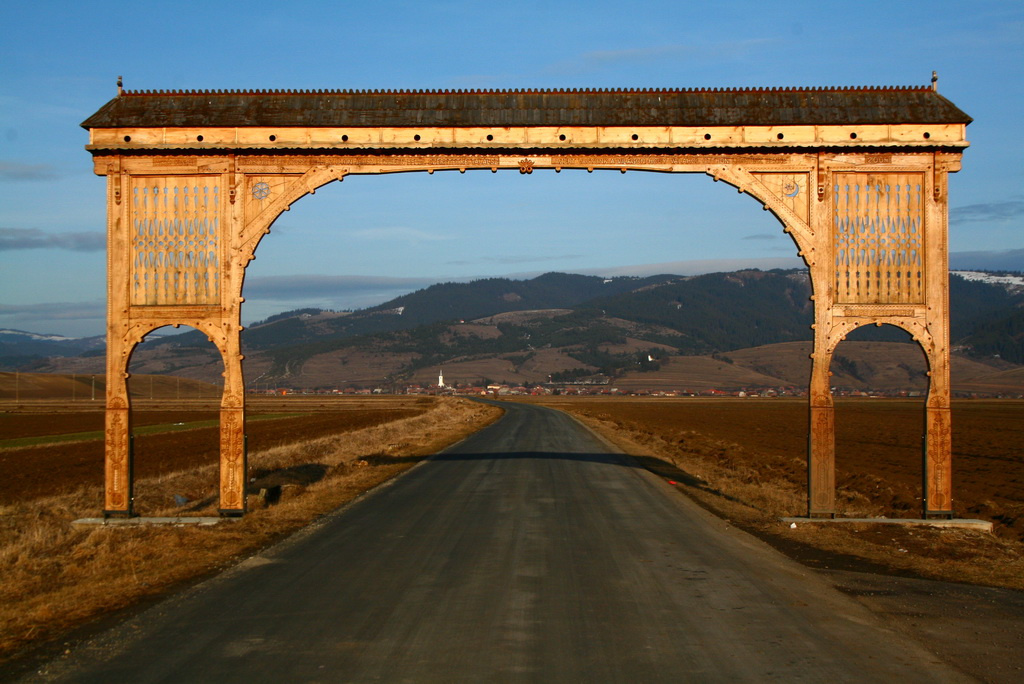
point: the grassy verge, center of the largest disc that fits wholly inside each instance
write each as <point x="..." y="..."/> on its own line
<point x="753" y="490"/>
<point x="57" y="576"/>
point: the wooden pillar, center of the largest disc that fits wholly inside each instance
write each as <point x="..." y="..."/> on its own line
<point x="938" y="466"/>
<point x="117" y="462"/>
<point x="938" y="449"/>
<point x="118" y="448"/>
<point x="821" y="440"/>
<point x="821" y="447"/>
<point x="232" y="427"/>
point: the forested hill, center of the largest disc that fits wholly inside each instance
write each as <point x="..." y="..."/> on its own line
<point x="694" y="315"/>
<point x="710" y="313"/>
<point x="722" y="311"/>
<point x="659" y="317"/>
<point x="492" y="296"/>
<point x="601" y="323"/>
<point x="441" y="302"/>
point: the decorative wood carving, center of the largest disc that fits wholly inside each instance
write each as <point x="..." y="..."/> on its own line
<point x="175" y="240"/>
<point x="878" y="238"/>
<point x="865" y="204"/>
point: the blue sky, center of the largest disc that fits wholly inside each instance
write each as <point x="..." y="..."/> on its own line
<point x="358" y="242"/>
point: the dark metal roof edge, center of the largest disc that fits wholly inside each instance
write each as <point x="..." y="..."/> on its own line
<point x="968" y="119"/>
<point x="526" y="91"/>
<point x="125" y="109"/>
<point x="100" y="114"/>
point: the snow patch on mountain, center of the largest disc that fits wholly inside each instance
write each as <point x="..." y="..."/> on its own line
<point x="37" y="336"/>
<point x="1012" y="283"/>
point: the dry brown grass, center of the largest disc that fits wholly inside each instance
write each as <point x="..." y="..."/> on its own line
<point x="743" y="474"/>
<point x="58" y="576"/>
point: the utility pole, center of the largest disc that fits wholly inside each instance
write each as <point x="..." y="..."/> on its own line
<point x="94" y="388"/>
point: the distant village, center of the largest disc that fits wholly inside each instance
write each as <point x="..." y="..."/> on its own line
<point x="570" y="389"/>
<point x="566" y="389"/>
<point x="593" y="386"/>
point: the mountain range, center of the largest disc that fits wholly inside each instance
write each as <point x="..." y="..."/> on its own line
<point x="638" y="331"/>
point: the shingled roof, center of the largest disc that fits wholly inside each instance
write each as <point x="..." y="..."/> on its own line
<point x="422" y="108"/>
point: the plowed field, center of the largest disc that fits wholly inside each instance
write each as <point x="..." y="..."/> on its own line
<point x="878" y="444"/>
<point x="30" y="472"/>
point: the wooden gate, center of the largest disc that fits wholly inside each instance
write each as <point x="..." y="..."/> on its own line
<point x="857" y="176"/>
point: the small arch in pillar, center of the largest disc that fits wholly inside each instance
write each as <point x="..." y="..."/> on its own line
<point x="879" y="381"/>
<point x="175" y="422"/>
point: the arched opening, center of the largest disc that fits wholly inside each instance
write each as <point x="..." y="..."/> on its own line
<point x="880" y="384"/>
<point x="448" y="226"/>
<point x="175" y="383"/>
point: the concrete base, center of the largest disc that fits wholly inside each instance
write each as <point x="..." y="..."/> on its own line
<point x="121" y="522"/>
<point x="965" y="523"/>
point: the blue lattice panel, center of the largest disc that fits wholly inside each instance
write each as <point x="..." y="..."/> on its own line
<point x="175" y="240"/>
<point x="878" y="238"/>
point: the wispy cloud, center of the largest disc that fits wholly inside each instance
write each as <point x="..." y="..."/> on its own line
<point x="987" y="212"/>
<point x="515" y="259"/>
<point x="270" y="295"/>
<point x="1008" y="260"/>
<point x="55" y="311"/>
<point x="33" y="238"/>
<point x="297" y="287"/>
<point x="398" y="234"/>
<point x="71" y="319"/>
<point x="17" y="171"/>
<point x="698" y="266"/>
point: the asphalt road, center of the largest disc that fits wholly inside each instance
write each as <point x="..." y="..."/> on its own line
<point x="527" y="553"/>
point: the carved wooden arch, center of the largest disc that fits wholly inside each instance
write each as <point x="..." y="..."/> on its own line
<point x="797" y="223"/>
<point x="863" y="195"/>
<point x="307" y="184"/>
<point x="797" y="227"/>
<point x="118" y="480"/>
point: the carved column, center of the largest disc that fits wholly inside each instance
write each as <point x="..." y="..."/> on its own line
<point x="118" y="498"/>
<point x="232" y="427"/>
<point x="938" y="457"/>
<point x="821" y="437"/>
<point x="938" y="470"/>
<point x="118" y="451"/>
<point x="233" y="467"/>
<point x="821" y="447"/>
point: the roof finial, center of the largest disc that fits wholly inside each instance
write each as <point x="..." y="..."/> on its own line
<point x="935" y="81"/>
<point x="120" y="86"/>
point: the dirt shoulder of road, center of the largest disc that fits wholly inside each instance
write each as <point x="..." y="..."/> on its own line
<point x="755" y="473"/>
<point x="63" y="582"/>
<point x="957" y="593"/>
